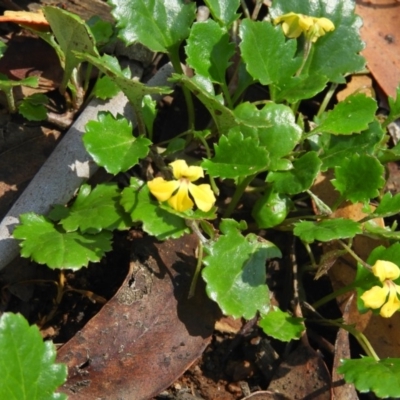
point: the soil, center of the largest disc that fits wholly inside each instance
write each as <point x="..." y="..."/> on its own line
<point x="230" y="359"/>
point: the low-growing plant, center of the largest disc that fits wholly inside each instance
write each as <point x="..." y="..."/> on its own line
<point x="253" y="166"/>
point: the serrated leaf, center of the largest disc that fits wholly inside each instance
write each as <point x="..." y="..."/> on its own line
<point x="105" y="88"/>
<point x="111" y="143"/>
<point x="28" y="367"/>
<point x="236" y="156"/>
<point x="262" y="44"/>
<point x="326" y="230"/>
<point x="274" y="126"/>
<point x="142" y="207"/>
<point x="97" y="209"/>
<point x="196" y="215"/>
<point x="158" y="24"/>
<point x="72" y="35"/>
<point x="394" y="107"/>
<point x="281" y="325"/>
<point x="33" y="107"/>
<point x="203" y="89"/>
<point x="329" y="56"/>
<point x="373" y="229"/>
<point x="6" y="83"/>
<point x="101" y="30"/>
<point x="209" y="50"/>
<point x="224" y="11"/>
<point x="235" y="271"/>
<point x="389" y="205"/>
<point x="350" y="178"/>
<point x="351" y="115"/>
<point x="300" y="178"/>
<point x="132" y="88"/>
<point x="342" y="146"/>
<point x="46" y="244"/>
<point x="367" y="374"/>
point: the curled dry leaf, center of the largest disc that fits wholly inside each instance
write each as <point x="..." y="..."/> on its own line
<point x="29" y="19"/>
<point x="148" y="334"/>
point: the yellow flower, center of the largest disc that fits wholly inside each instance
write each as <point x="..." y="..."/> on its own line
<point x="176" y="192"/>
<point x="294" y="25"/>
<point x="386" y="296"/>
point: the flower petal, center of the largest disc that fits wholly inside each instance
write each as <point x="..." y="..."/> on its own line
<point x="181" y="200"/>
<point x="161" y="189"/>
<point x="385" y="270"/>
<point x="392" y="305"/>
<point x="375" y="297"/>
<point x="179" y="168"/>
<point x="203" y="196"/>
<point x="325" y="24"/>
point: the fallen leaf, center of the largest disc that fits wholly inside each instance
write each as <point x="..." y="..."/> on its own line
<point x="148" y="334"/>
<point x="29" y="19"/>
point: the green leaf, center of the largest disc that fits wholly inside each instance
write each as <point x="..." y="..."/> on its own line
<point x="6" y="83"/>
<point x="329" y="56"/>
<point x="33" y="107"/>
<point x="142" y="207"/>
<point x="235" y="271"/>
<point x="149" y="111"/>
<point x="224" y="11"/>
<point x="101" y="30"/>
<point x="97" y="209"/>
<point x="111" y="143"/>
<point x="271" y="209"/>
<point x="394" y="106"/>
<point x="132" y="88"/>
<point x="28" y="367"/>
<point x="73" y="35"/>
<point x="209" y="50"/>
<point x="381" y="377"/>
<point x="351" y="179"/>
<point x="46" y="244"/>
<point x="326" y="230"/>
<point x="300" y="178"/>
<point x="344" y="146"/>
<point x="389" y="205"/>
<point x="158" y="24"/>
<point x="261" y="46"/>
<point x="373" y="229"/>
<point x="275" y="127"/>
<point x="105" y="88"/>
<point x="281" y="325"/>
<point x="351" y="115"/>
<point x="203" y="89"/>
<point x="236" y="156"/>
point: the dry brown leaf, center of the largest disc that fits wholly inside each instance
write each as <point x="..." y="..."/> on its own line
<point x="357" y="84"/>
<point x="29" y="19"/>
<point x="148" y="334"/>
<point x="381" y="33"/>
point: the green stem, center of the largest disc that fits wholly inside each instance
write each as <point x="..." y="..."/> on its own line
<point x="257" y="9"/>
<point x="333" y="295"/>
<point x="354" y="255"/>
<point x="327" y="99"/>
<point x="307" y="50"/>
<point x="240" y="188"/>
<point x="214" y="186"/>
<point x="227" y="95"/>
<point x="246" y="11"/>
<point x="176" y="63"/>
<point x="196" y="275"/>
<point x="10" y="99"/>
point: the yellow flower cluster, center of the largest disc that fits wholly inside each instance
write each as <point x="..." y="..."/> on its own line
<point x="386" y="296"/>
<point x="176" y="192"/>
<point x="294" y="25"/>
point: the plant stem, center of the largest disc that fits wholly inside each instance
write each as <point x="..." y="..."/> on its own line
<point x="176" y="63"/>
<point x="257" y="8"/>
<point x="246" y="11"/>
<point x="354" y="255"/>
<point x="307" y="50"/>
<point x="195" y="278"/>
<point x="333" y="295"/>
<point x="327" y="99"/>
<point x="240" y="188"/>
<point x="10" y="99"/>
